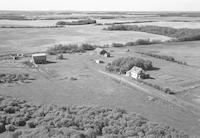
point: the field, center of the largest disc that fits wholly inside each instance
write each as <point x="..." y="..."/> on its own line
<point x="78" y="80"/>
<point x="187" y="76"/>
<point x="33" y="39"/>
<point x="178" y="24"/>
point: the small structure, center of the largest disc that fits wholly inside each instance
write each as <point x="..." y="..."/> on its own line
<point x="39" y="58"/>
<point x="135" y="72"/>
<point x="103" y="52"/>
<point x="107" y="54"/>
<point x="98" y="61"/>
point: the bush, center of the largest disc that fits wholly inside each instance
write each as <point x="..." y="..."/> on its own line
<point x="60" y="23"/>
<point x="117" y="45"/>
<point x="81" y="122"/>
<point x="130" y="44"/>
<point x="60" y="56"/>
<point x="91" y="133"/>
<point x="11" y="78"/>
<point x="146" y="42"/>
<point x="10" y="127"/>
<point x="19" y="121"/>
<point x="70" y="48"/>
<point x="15" y="134"/>
<point x="124" y="64"/>
<point x="88" y="47"/>
<point x="79" y="22"/>
<point x="137" y="42"/>
<point x="31" y="124"/>
<point x="2" y="127"/>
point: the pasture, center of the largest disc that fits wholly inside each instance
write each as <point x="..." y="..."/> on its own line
<point x="39" y="39"/>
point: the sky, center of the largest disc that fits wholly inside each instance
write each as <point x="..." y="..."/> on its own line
<point x="102" y="5"/>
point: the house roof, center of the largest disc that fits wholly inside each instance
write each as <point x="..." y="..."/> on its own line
<point x="136" y="69"/>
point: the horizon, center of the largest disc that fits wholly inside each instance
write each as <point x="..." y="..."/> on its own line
<point x="103" y="5"/>
<point x="120" y="11"/>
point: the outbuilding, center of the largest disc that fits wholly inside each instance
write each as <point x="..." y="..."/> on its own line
<point x="135" y="72"/>
<point x="99" y="61"/>
<point x="103" y="52"/>
<point x="39" y="58"/>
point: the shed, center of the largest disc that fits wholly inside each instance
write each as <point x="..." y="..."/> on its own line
<point x="107" y="54"/>
<point x="39" y="58"/>
<point x="98" y="61"/>
<point x="135" y="72"/>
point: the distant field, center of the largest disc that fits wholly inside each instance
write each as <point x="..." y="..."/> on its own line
<point x="176" y="77"/>
<point x="29" y="22"/>
<point x="180" y="24"/>
<point x="185" y="51"/>
<point x="33" y="39"/>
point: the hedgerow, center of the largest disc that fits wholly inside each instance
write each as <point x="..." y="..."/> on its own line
<point x="70" y="48"/>
<point x="164" y="57"/>
<point x="79" y="22"/>
<point x="183" y="34"/>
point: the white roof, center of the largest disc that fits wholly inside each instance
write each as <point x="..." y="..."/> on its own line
<point x="39" y="54"/>
<point x="136" y="69"/>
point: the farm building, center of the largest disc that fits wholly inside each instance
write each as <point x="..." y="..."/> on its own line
<point x="107" y="54"/>
<point x="39" y="58"/>
<point x="103" y="52"/>
<point x="135" y="72"/>
<point x="98" y="61"/>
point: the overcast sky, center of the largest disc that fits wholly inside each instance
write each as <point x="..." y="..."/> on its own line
<point x="102" y="5"/>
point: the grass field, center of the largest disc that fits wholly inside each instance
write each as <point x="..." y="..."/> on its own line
<point x="184" y="78"/>
<point x="179" y="24"/>
<point x="53" y="84"/>
<point x="33" y="39"/>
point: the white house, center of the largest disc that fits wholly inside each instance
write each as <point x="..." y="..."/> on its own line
<point x="135" y="73"/>
<point x="39" y="58"/>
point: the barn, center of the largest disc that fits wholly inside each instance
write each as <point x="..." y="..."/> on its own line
<point x="39" y="58"/>
<point x="103" y="52"/>
<point x="135" y="73"/>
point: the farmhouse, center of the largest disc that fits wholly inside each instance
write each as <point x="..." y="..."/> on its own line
<point x="39" y="58"/>
<point x="135" y="73"/>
